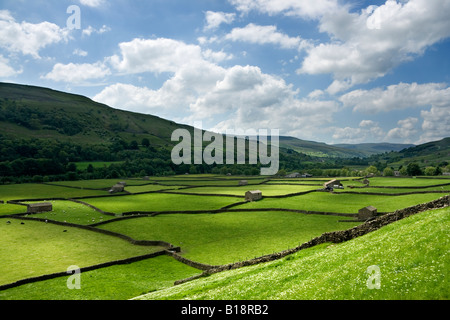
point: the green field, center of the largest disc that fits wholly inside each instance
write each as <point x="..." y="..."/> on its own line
<point x="411" y="254"/>
<point x="241" y="232"/>
<point x="232" y="236"/>
<point x="35" y="248"/>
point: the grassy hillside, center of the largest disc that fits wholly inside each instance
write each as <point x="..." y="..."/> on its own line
<point x="317" y="149"/>
<point x="35" y="112"/>
<point x="375" y="148"/>
<point x="411" y="254"/>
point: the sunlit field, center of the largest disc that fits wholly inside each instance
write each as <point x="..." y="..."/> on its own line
<point x="206" y="216"/>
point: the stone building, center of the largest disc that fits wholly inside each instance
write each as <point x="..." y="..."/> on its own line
<point x="39" y="207"/>
<point x="117" y="188"/>
<point x="367" y="213"/>
<point x="253" y="195"/>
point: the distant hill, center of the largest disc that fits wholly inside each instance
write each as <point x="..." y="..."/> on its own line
<point x="36" y="112"/>
<point x="374" y="148"/>
<point x="319" y="149"/>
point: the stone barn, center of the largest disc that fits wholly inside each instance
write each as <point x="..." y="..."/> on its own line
<point x="293" y="175"/>
<point x="117" y="188"/>
<point x="367" y="213"/>
<point x="253" y="195"/>
<point x="39" y="207"/>
<point x="243" y="182"/>
<point x="333" y="184"/>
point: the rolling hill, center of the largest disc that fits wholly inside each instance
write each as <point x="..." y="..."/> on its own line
<point x="375" y="148"/>
<point x="35" y="112"/>
<point x="31" y="112"/>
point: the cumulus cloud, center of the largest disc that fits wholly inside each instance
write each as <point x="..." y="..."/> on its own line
<point x="367" y="130"/>
<point x="6" y="70"/>
<point x="367" y="45"/>
<point x="399" y="96"/>
<point x="92" y="3"/>
<point x="199" y="89"/>
<point x="436" y="123"/>
<point x="155" y="55"/>
<point x="77" y="73"/>
<point x="215" y="19"/>
<point x="302" y="8"/>
<point x="90" y="30"/>
<point x="405" y="131"/>
<point x="257" y="34"/>
<point x="28" y="38"/>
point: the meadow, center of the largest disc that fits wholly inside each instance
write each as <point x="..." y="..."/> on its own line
<point x="204" y="215"/>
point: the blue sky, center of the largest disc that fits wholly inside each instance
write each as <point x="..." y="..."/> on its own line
<point x="335" y="71"/>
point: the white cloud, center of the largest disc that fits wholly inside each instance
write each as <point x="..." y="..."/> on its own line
<point x="436" y="123"/>
<point x="6" y="70"/>
<point x="367" y="130"/>
<point x="405" y="131"/>
<point x="400" y="96"/>
<point x="28" y="38"/>
<point x="369" y="44"/>
<point x="79" y="52"/>
<point x="155" y="55"/>
<point x="77" y="73"/>
<point x="302" y="8"/>
<point x="215" y="19"/>
<point x="432" y="98"/>
<point x="92" y="3"/>
<point x="201" y="90"/>
<point x="90" y="30"/>
<point x="216" y="56"/>
<point x="253" y="33"/>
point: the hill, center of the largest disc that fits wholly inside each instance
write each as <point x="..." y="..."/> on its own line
<point x="368" y="149"/>
<point x="55" y="128"/>
<point x="319" y="149"/>
<point x="35" y="112"/>
<point x="435" y="153"/>
<point x="410" y="256"/>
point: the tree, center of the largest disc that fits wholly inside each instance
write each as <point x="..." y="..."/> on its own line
<point x="413" y="169"/>
<point x="430" y="171"/>
<point x="72" y="167"/>
<point x="372" y="169"/>
<point x="134" y="145"/>
<point x="388" y="172"/>
<point x="145" y="142"/>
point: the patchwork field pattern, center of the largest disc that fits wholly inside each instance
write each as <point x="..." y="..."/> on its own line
<point x="166" y="229"/>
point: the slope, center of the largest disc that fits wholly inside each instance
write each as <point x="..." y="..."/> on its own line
<point x="411" y="256"/>
<point x="35" y="112"/>
<point x="375" y="148"/>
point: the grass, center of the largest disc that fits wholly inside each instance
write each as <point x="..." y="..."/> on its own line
<point x="342" y="202"/>
<point x="36" y="248"/>
<point x="118" y="282"/>
<point x="38" y="191"/>
<point x="160" y="202"/>
<point x="412" y="256"/>
<point x="406" y="182"/>
<point x="69" y="211"/>
<point x="266" y="189"/>
<point x="98" y="183"/>
<point x="231" y="236"/>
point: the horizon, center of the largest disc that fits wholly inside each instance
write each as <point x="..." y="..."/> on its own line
<point x="329" y="71"/>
